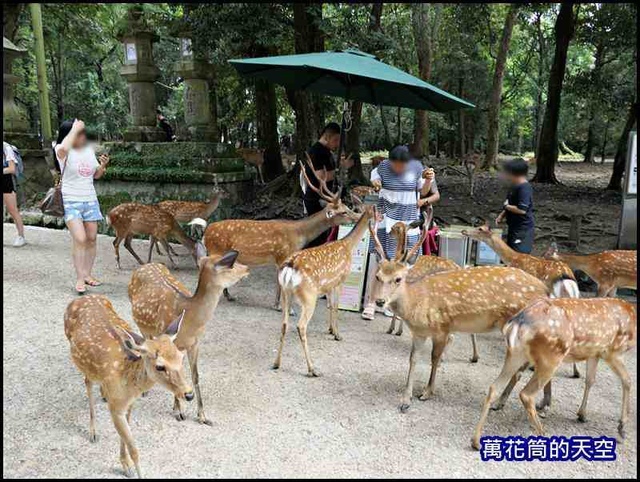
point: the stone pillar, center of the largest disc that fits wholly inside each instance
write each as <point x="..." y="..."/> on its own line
<point x="197" y="75"/>
<point x="15" y="125"/>
<point x="140" y="73"/>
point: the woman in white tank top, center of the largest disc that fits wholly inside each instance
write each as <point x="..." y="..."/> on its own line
<point x="79" y="168"/>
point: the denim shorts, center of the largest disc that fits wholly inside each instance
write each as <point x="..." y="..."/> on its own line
<point x="83" y="210"/>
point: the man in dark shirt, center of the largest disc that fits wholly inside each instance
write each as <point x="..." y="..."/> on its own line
<point x="324" y="167"/>
<point x="518" y="207"/>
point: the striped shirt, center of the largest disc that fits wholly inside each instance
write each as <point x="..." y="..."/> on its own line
<point x="397" y="202"/>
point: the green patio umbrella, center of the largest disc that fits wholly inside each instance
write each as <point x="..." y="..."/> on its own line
<point x="352" y="75"/>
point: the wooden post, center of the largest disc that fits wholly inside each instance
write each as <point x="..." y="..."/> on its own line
<point x="574" y="230"/>
<point x="41" y="68"/>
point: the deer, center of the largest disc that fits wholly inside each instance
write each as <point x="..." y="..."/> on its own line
<point x="253" y="156"/>
<point x="273" y="241"/>
<point x="157" y="296"/>
<point x="473" y="300"/>
<point x="129" y="219"/>
<point x="552" y="331"/>
<point x="125" y="364"/>
<point x="609" y="269"/>
<point x="313" y="272"/>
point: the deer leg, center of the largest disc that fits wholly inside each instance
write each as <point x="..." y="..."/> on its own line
<point x="127" y="244"/>
<point x="545" y="403"/>
<point x="439" y="344"/>
<point x="177" y="410"/>
<point x="116" y="248"/>
<point x="286" y="302"/>
<point x="590" y="378"/>
<point x="333" y="314"/>
<point x="474" y="345"/>
<point x="392" y="325"/>
<point x="509" y="388"/>
<point x="576" y="372"/>
<point x="192" y="354"/>
<point x="276" y="305"/>
<point x="400" y="326"/>
<point x="417" y="346"/>
<point x="92" y="410"/>
<point x="604" y="290"/>
<point x="152" y="242"/>
<point x="513" y="364"/>
<point x="308" y="307"/>
<point x="615" y="363"/>
<point x="541" y="376"/>
<point x="227" y="295"/>
<point x="168" y="248"/>
<point x="128" y="450"/>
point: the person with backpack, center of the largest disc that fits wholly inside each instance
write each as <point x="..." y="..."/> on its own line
<point x="10" y="166"/>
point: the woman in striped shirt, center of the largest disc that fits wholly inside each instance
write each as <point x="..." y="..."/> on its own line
<point x="401" y="185"/>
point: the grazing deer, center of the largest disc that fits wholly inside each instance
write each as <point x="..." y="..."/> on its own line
<point x="609" y="269"/>
<point x="156" y="296"/>
<point x="313" y="272"/>
<point x="255" y="157"/>
<point x="474" y="300"/>
<point x="546" y="270"/>
<point x="133" y="218"/>
<point x="123" y="363"/>
<point x="271" y="242"/>
<point x="550" y="332"/>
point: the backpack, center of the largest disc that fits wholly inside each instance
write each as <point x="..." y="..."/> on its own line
<point x="19" y="174"/>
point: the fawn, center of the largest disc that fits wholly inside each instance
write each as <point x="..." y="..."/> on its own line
<point x="255" y="157"/>
<point x="123" y="363"/>
<point x="129" y="219"/>
<point x="317" y="271"/>
<point x="272" y="242"/>
<point x="549" y="332"/>
<point x="186" y="211"/>
<point x="609" y="269"/>
<point x="156" y="297"/>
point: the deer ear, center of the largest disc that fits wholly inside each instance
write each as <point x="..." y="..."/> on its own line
<point x="227" y="260"/>
<point x="173" y="329"/>
<point x="133" y="344"/>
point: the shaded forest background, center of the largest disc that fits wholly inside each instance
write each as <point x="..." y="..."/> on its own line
<point x="547" y="79"/>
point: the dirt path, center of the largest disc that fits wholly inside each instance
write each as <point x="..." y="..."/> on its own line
<point x="266" y="423"/>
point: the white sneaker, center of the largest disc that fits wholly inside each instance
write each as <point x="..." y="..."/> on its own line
<point x="19" y="242"/>
<point x="388" y="313"/>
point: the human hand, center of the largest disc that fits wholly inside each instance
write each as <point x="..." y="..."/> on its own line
<point x="429" y="174"/>
<point x="78" y="125"/>
<point x="104" y="159"/>
<point x="377" y="185"/>
<point x="346" y="162"/>
<point x="423" y="202"/>
<point x="500" y="218"/>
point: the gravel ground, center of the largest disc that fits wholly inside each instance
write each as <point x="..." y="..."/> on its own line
<point x="265" y="423"/>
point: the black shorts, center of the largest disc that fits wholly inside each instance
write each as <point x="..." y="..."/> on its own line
<point x="520" y="240"/>
<point x="7" y="184"/>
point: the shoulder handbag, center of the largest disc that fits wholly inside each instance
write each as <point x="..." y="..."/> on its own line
<point x="52" y="202"/>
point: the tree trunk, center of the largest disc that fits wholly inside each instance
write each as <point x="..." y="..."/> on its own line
<point x="547" y="156"/>
<point x="493" y="116"/>
<point x="595" y="79"/>
<point x="461" y="120"/>
<point x="267" y="129"/>
<point x="542" y="53"/>
<point x="620" y="161"/>
<point x="424" y="31"/>
<point x="399" y="126"/>
<point x="10" y="16"/>
<point x="385" y="126"/>
<point x="589" y="150"/>
<point x="605" y="139"/>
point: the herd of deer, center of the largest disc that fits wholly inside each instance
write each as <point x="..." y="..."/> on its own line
<point x="533" y="301"/>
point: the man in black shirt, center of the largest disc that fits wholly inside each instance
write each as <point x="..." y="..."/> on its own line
<point x="324" y="167"/>
<point x="518" y="207"/>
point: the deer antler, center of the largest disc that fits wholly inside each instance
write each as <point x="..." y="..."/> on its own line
<point x="428" y="216"/>
<point x="376" y="241"/>
<point x="327" y="195"/>
<point x="400" y="231"/>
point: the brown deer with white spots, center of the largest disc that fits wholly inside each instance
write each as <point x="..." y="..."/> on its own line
<point x="550" y="332"/>
<point x="253" y="156"/>
<point x="186" y="211"/>
<point x="474" y="300"/>
<point x="156" y="297"/>
<point x="109" y="353"/>
<point x="129" y="219"/>
<point x="314" y="272"/>
<point x="272" y="242"/>
<point x="609" y="269"/>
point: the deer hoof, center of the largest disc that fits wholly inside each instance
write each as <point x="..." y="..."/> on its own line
<point x="93" y="438"/>
<point x="313" y="374"/>
<point x="129" y="472"/>
<point x="575" y="374"/>
<point x="399" y="333"/>
<point x="582" y="417"/>
<point x="389" y="331"/>
<point x="542" y="412"/>
<point x="475" y="444"/>
<point x="425" y="396"/>
<point x="621" y="430"/>
<point x="497" y="406"/>
<point x="337" y="337"/>
<point x="180" y="417"/>
<point x="404" y="408"/>
<point x="205" y="421"/>
<point x="474" y="359"/>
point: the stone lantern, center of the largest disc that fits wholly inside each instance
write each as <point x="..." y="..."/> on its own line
<point x="15" y="125"/>
<point x="140" y="73"/>
<point x="197" y="75"/>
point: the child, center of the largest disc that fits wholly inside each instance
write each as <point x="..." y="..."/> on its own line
<point x="518" y="207"/>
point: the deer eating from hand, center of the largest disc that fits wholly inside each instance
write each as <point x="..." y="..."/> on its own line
<point x="156" y="296"/>
<point x="313" y="272"/>
<point x="272" y="242"/>
<point x="552" y="331"/>
<point x="108" y="352"/>
<point x="609" y="269"/>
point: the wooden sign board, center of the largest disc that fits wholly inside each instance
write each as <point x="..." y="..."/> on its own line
<point x="351" y="294"/>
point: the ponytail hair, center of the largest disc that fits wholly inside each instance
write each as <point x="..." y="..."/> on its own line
<point x="63" y="131"/>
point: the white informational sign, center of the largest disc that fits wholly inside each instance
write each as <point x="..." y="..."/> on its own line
<point x="351" y="294"/>
<point x="632" y="169"/>
<point x="131" y="55"/>
<point x="485" y="255"/>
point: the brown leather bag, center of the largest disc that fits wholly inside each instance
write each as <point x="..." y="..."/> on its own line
<point x="52" y="202"/>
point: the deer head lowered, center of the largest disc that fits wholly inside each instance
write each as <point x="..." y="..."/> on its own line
<point x="272" y="242"/>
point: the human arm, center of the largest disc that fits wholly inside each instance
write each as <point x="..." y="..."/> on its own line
<point x="9" y="158"/>
<point x="522" y="201"/>
<point x="11" y="168"/>
<point x="427" y="179"/>
<point x="102" y="168"/>
<point x="62" y="149"/>
<point x="432" y="196"/>
<point x="376" y="180"/>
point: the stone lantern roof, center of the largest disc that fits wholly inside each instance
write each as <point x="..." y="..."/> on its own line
<point x="9" y="46"/>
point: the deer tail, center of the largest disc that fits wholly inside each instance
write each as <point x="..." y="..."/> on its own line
<point x="565" y="287"/>
<point x="289" y="277"/>
<point x="198" y="222"/>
